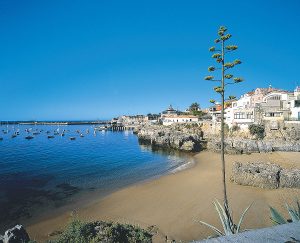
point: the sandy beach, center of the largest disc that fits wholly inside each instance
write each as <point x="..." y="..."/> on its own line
<point x="175" y="202"/>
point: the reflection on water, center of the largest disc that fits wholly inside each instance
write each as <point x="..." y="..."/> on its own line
<point x="43" y="173"/>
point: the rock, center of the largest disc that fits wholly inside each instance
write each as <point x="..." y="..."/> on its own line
<point x="188" y="146"/>
<point x="290" y="178"/>
<point x="258" y="174"/>
<point x="179" y="137"/>
<point x="16" y="234"/>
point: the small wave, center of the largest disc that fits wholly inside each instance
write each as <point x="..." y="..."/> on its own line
<point x="190" y="163"/>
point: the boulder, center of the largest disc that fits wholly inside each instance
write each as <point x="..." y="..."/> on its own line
<point x="258" y="174"/>
<point x="290" y="178"/>
<point x="188" y="146"/>
<point x="16" y="234"/>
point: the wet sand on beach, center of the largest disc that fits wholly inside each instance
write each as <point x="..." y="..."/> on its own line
<point x="175" y="202"/>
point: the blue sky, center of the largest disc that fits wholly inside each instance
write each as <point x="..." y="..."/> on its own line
<point x="99" y="59"/>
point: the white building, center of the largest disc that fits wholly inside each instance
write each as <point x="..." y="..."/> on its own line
<point x="171" y="119"/>
<point x="240" y="112"/>
<point x="295" y="105"/>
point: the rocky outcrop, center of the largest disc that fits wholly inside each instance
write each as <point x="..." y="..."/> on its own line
<point x="265" y="175"/>
<point x="290" y="178"/>
<point x="242" y="145"/>
<point x="189" y="137"/>
<point x="179" y="137"/>
<point x="259" y="174"/>
<point x="16" y="234"/>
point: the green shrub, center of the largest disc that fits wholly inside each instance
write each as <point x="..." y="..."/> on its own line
<point x="235" y="128"/>
<point x="257" y="130"/>
<point x="226" y="129"/>
<point x="100" y="231"/>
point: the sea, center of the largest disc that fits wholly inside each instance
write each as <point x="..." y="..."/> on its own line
<point x="43" y="174"/>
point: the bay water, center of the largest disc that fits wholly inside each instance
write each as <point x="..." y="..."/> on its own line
<point x="44" y="173"/>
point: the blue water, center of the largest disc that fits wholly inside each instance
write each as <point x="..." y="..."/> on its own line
<point x="44" y="172"/>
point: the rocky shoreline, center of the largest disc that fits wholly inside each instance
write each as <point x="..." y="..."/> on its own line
<point x="193" y="138"/>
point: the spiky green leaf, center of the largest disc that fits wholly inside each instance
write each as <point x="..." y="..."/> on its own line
<point x="242" y="218"/>
<point x="295" y="216"/>
<point x="276" y="217"/>
<point x="216" y="230"/>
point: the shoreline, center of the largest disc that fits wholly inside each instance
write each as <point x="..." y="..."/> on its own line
<point x="173" y="202"/>
<point x="86" y="197"/>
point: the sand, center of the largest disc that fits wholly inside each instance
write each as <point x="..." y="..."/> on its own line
<point x="175" y="202"/>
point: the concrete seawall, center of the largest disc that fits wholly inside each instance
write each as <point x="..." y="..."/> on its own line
<point x="280" y="233"/>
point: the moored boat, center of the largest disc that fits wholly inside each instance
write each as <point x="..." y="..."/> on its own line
<point x="50" y="136"/>
<point x="29" y="137"/>
<point x="72" y="138"/>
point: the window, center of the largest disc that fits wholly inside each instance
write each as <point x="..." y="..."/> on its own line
<point x="239" y="115"/>
<point x="249" y="115"/>
<point x="274" y="97"/>
<point x="274" y="114"/>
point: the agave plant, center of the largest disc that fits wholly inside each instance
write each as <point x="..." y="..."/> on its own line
<point x="294" y="213"/>
<point x="229" y="227"/>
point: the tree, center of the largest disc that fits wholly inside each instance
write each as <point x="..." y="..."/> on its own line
<point x="226" y="79"/>
<point x="194" y="107"/>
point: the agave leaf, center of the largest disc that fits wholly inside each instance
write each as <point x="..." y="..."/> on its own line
<point x="242" y="218"/>
<point x="221" y="216"/>
<point x="219" y="233"/>
<point x="293" y="213"/>
<point x="225" y="220"/>
<point x="298" y="205"/>
<point x="276" y="217"/>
